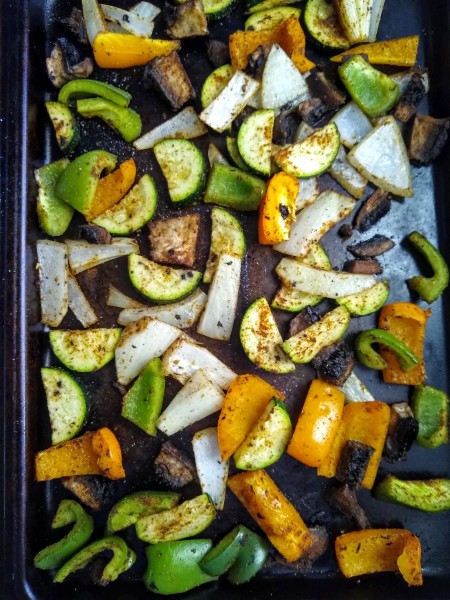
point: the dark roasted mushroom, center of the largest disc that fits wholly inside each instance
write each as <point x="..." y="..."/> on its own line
<point x="353" y="462"/>
<point x="65" y="63"/>
<point x="334" y="363"/>
<point x="92" y="490"/>
<point x="321" y="87"/>
<point x="94" y="234"/>
<point x="284" y="128"/>
<point x="377" y="245"/>
<point x="304" y="319"/>
<point x="173" y="467"/>
<point x="373" y="209"/>
<point x="428" y="138"/>
<point x="75" y="24"/>
<point x="187" y="20"/>
<point x="415" y="90"/>
<point x="368" y="266"/>
<point x="402" y="432"/>
<point x="318" y="547"/>
<point x="218" y="53"/>
<point x="344" y="498"/>
<point x="257" y="61"/>
<point x="313" y="111"/>
<point x="167" y="75"/>
<point x="345" y="231"/>
<point x="173" y="241"/>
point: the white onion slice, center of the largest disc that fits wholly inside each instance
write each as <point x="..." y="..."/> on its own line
<point x="53" y="274"/>
<point x="211" y="469"/>
<point x="355" y="391"/>
<point x="129" y="21"/>
<point x="145" y="10"/>
<point x="346" y="175"/>
<point x="304" y="130"/>
<point x="352" y="124"/>
<point x="185" y="124"/>
<point x="314" y="221"/>
<point x="282" y="82"/>
<point x="93" y="19"/>
<point x="331" y="284"/>
<point x="375" y="18"/>
<point x="215" y="156"/>
<point x="79" y="304"/>
<point x="83" y="255"/>
<point x="308" y="190"/>
<point x="118" y="299"/>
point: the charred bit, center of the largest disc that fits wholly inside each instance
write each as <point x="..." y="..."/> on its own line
<point x="345" y="231"/>
<point x="353" y="463"/>
<point x="173" y="467"/>
<point x="94" y="234"/>
<point x="65" y="63"/>
<point x="373" y="209"/>
<point x="92" y="490"/>
<point x="75" y="24"/>
<point x="284" y="128"/>
<point x="415" y="90"/>
<point x="313" y="111"/>
<point x="321" y="87"/>
<point x="402" y="432"/>
<point x="334" y="363"/>
<point x="257" y="61"/>
<point x="378" y="244"/>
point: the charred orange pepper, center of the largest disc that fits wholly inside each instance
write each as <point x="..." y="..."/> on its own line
<point x="380" y="550"/>
<point x="291" y="37"/>
<point x="401" y="52"/>
<point x="366" y="422"/>
<point x="318" y="423"/>
<point x="120" y="50"/>
<point x="244" y="403"/>
<point x="277" y="209"/>
<point x="112" y="188"/>
<point x="273" y="512"/>
<point x="94" y="453"/>
<point x="406" y="321"/>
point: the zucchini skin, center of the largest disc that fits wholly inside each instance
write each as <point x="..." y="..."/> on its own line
<point x="65" y="124"/>
<point x="323" y="27"/>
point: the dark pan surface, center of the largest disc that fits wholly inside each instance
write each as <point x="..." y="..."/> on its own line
<point x="28" y="29"/>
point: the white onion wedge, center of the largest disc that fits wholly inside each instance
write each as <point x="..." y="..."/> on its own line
<point x="53" y="274"/>
<point x="355" y="391"/>
<point x="216" y="156"/>
<point x="185" y="357"/>
<point x="381" y="156"/>
<point x="83" y="255"/>
<point x="346" y="175"/>
<point x="199" y="398"/>
<point x="79" y="304"/>
<point x="129" y="21"/>
<point x="314" y="221"/>
<point x="330" y="284"/>
<point x="179" y="314"/>
<point x="230" y="102"/>
<point x="365" y="16"/>
<point x="375" y="18"/>
<point x="282" y="82"/>
<point x="93" y="19"/>
<point x="211" y="469"/>
<point x="352" y="124"/>
<point x="185" y="125"/>
<point x="145" y="10"/>
<point x="140" y="342"/>
<point x="348" y="11"/>
<point x="218" y="317"/>
<point x="308" y="190"/>
<point x="118" y="299"/>
<point x="304" y="130"/>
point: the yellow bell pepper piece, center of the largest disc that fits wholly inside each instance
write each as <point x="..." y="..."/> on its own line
<point x="120" y="50"/>
<point x="112" y="188"/>
<point x="318" y="424"/>
<point x="273" y="512"/>
<point x="401" y="52"/>
<point x="380" y="550"/>
<point x="277" y="209"/>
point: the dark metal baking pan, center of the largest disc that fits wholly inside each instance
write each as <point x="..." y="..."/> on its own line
<point x="27" y="30"/>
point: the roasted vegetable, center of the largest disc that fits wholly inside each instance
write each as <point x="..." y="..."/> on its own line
<point x="134" y="506"/>
<point x="401" y="52"/>
<point x="430" y="495"/>
<point x="371" y="359"/>
<point x="431" y="409"/>
<point x="403" y="429"/>
<point x="174" y="467"/>
<point x="119" y="50"/>
<point x="167" y="75"/>
<point x="277" y="209"/>
<point x="427" y="138"/>
<point x="173" y="241"/>
<point x="429" y="288"/>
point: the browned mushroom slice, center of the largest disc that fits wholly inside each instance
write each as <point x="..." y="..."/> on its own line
<point x="218" y="53"/>
<point x="353" y="462"/>
<point x="257" y="61"/>
<point x="402" y="432"/>
<point x="334" y="363"/>
<point x="415" y="90"/>
<point x="173" y="241"/>
<point x="188" y="20"/>
<point x="94" y="234"/>
<point x="428" y="138"/>
<point x="304" y="319"/>
<point x="65" y="63"/>
<point x="373" y="209"/>
<point x="313" y="111"/>
<point x="368" y="266"/>
<point x="92" y="490"/>
<point x="75" y="24"/>
<point x="173" y="467"/>
<point x="321" y="87"/>
<point x="344" y="498"/>
<point x="377" y="245"/>
<point x="167" y="75"/>
<point x="284" y="129"/>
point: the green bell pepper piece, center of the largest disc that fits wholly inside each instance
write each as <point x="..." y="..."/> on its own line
<point x="54" y="215"/>
<point x="430" y="408"/>
<point x="374" y="92"/>
<point x="56" y="554"/>
<point x="123" y="558"/>
<point x="86" y="88"/>
<point x="124" y="121"/>
<point x="220" y="558"/>
<point x="140" y="504"/>
<point x="173" y="567"/>
<point x="370" y="358"/>
<point x="432" y="495"/>
<point x="142" y="404"/>
<point x="250" y="559"/>
<point x="78" y="183"/>
<point x="429" y="288"/>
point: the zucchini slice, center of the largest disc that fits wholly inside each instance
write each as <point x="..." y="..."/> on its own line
<point x="253" y="6"/>
<point x="65" y="402"/>
<point x="84" y="350"/>
<point x="159" y="283"/>
<point x="261" y="339"/>
<point x="65" y="124"/>
<point x="183" y="521"/>
<point x="233" y="188"/>
<point x="134" y="210"/>
<point x="304" y="346"/>
<point x="267" y="440"/>
<point x="140" y="504"/>
<point x="366" y="302"/>
<point x="184" y="169"/>
<point x="312" y="156"/>
<point x="255" y="141"/>
<point x="270" y="18"/>
<point x="323" y="25"/>
<point x="54" y="215"/>
<point x="218" y="9"/>
<point x="233" y="151"/>
<point x="227" y="237"/>
<point x="215" y="83"/>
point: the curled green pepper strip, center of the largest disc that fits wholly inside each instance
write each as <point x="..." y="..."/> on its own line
<point x="250" y="559"/>
<point x="370" y="358"/>
<point x="429" y="288"/>
<point x="431" y="495"/>
<point x="56" y="554"/>
<point x="124" y="121"/>
<point x="83" y="88"/>
<point x="220" y="558"/>
<point x="430" y="407"/>
<point x="123" y="558"/>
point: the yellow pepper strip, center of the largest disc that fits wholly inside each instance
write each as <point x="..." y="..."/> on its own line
<point x="380" y="550"/>
<point x="277" y="209"/>
<point x="318" y="424"/>
<point x="365" y="422"/>
<point x="273" y="512"/>
<point x="112" y="188"/>
<point x="94" y="453"/>
<point x="120" y="50"/>
<point x="406" y="321"/>
<point x="244" y="403"/>
<point x="401" y="52"/>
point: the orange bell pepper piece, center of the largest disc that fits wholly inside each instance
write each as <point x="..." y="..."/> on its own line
<point x="273" y="512"/>
<point x="401" y="52"/>
<point x="120" y="50"/>
<point x="407" y="322"/>
<point x="291" y="37"/>
<point x="94" y="453"/>
<point x="277" y="209"/>
<point x="366" y="422"/>
<point x="244" y="403"/>
<point x="112" y="188"/>
<point x="380" y="550"/>
<point x="318" y="423"/>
